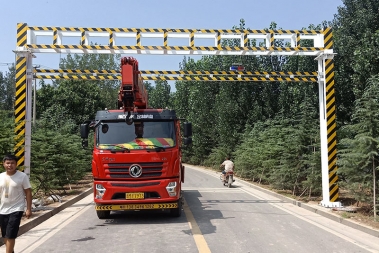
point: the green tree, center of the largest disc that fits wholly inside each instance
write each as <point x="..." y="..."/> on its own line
<point x="7" y="89"/>
<point x="108" y="89"/>
<point x="355" y="29"/>
<point x="358" y="157"/>
<point x="159" y="96"/>
<point x="6" y="132"/>
<point x="57" y="158"/>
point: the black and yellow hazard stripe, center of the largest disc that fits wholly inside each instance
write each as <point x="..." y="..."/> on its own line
<point x="20" y="99"/>
<point x="331" y="130"/>
<point x="162" y="30"/>
<point x="297" y="40"/>
<point x="328" y="38"/>
<point x="176" y="48"/>
<point x="272" y="41"/>
<point x="111" y="39"/>
<point x="165" y="39"/>
<point x="79" y="77"/>
<point x="22" y="29"/>
<point x="20" y="110"/>
<point x="247" y="73"/>
<point x="75" y="71"/>
<point x="82" y="37"/>
<point x="245" y="40"/>
<point x="184" y="78"/>
<point x="231" y="78"/>
<point x="179" y="72"/>
<point x="331" y="120"/>
<point x="136" y="206"/>
<point x="191" y="32"/>
<point x="192" y="40"/>
<point x="138" y="39"/>
<point x="55" y="36"/>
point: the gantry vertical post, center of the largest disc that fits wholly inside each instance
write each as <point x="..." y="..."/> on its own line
<point x="328" y="124"/>
<point x="23" y="103"/>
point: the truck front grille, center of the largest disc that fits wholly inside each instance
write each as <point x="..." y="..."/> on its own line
<point x="121" y="170"/>
<point x="134" y="185"/>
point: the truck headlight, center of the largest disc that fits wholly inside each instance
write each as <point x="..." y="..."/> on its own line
<point x="100" y="190"/>
<point x="171" y="189"/>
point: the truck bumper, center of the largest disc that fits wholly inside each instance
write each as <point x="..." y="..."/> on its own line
<point x="136" y="206"/>
<point x="137" y="195"/>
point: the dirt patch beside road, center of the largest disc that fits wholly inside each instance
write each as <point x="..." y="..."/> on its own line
<point x="66" y="195"/>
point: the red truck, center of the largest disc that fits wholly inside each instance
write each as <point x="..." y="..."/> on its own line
<point x="137" y="152"/>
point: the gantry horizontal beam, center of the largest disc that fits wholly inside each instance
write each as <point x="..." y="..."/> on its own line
<point x="172" y="50"/>
<point x="181" y="78"/>
<point x="180" y="72"/>
<point x="136" y="41"/>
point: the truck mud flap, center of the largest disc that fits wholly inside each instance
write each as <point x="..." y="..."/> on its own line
<point x="137" y="206"/>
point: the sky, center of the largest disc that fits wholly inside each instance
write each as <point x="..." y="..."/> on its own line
<point x="195" y="14"/>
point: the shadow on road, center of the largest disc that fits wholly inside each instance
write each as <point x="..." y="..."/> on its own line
<point x="143" y="217"/>
<point x="202" y="215"/>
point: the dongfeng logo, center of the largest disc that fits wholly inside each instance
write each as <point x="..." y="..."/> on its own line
<point x="135" y="170"/>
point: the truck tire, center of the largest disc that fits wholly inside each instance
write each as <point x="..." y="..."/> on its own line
<point x="177" y="212"/>
<point x="102" y="215"/>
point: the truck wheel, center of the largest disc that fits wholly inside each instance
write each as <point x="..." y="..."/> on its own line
<point x="102" y="215"/>
<point x="177" y="212"/>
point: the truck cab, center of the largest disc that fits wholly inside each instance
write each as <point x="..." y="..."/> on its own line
<point x="136" y="161"/>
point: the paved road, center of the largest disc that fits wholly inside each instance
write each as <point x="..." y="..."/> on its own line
<point x="215" y="219"/>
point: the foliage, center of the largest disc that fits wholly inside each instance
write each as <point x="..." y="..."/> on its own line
<point x="356" y="41"/>
<point x="81" y="98"/>
<point x="57" y="156"/>
<point x="270" y="129"/>
<point x="7" y="89"/>
<point x="6" y="132"/>
<point x="358" y="156"/>
<point x="159" y="96"/>
<point x="107" y="89"/>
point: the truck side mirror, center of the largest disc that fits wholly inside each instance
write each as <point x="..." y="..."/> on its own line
<point x="84" y="130"/>
<point x="85" y="143"/>
<point x="187" y="129"/>
<point x="187" y="141"/>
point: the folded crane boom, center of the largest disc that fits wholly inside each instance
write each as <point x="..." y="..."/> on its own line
<point x="132" y="94"/>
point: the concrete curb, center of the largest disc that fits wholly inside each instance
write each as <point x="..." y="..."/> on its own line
<point x="38" y="220"/>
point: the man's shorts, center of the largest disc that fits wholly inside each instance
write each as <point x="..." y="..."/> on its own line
<point x="10" y="223"/>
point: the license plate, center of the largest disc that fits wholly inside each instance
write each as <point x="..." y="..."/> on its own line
<point x="135" y="195"/>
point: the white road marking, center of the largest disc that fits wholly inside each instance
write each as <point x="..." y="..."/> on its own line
<point x="281" y="207"/>
<point x="223" y="190"/>
<point x="37" y="236"/>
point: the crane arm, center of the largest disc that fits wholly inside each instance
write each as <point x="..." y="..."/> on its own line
<point x="132" y="93"/>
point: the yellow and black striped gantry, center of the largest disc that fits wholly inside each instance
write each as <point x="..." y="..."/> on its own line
<point x="113" y="34"/>
<point x="183" y="75"/>
<point x="249" y="42"/>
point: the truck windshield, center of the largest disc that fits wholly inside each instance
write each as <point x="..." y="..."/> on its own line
<point x="139" y="135"/>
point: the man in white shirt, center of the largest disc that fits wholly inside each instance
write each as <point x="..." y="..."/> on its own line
<point x="228" y="166"/>
<point x="14" y="188"/>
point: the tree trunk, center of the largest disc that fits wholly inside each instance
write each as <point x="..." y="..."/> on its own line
<point x="260" y="179"/>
